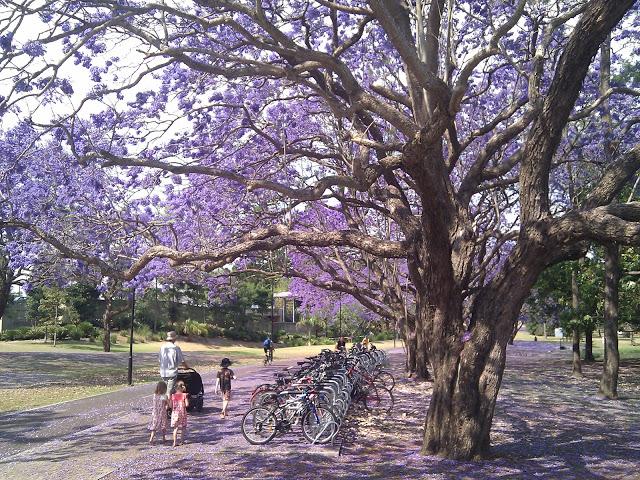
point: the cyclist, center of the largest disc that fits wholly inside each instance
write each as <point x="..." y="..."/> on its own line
<point x="341" y="345"/>
<point x="267" y="346"/>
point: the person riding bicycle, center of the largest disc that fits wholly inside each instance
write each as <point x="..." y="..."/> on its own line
<point x="341" y="344"/>
<point x="268" y="348"/>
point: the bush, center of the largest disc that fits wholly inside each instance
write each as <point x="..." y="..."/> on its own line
<point x="36" y="333"/>
<point x="141" y="334"/>
<point x="16" y="334"/>
<point x="378" y="337"/>
<point x="87" y="330"/>
<point x="100" y="337"/>
<point x="194" y="328"/>
<point x="215" y="331"/>
<point x="74" y="332"/>
<point x="242" y="333"/>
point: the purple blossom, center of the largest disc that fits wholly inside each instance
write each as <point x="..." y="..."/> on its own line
<point x="5" y="42"/>
<point x="33" y="48"/>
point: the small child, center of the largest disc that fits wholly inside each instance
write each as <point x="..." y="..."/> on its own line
<point x="179" y="404"/>
<point x="223" y="384"/>
<point x="158" y="421"/>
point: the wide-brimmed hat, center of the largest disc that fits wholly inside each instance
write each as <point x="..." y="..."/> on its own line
<point x="172" y="335"/>
<point x="225" y="362"/>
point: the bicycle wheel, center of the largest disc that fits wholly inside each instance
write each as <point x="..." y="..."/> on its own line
<point x="378" y="399"/>
<point x="259" y="394"/>
<point x="259" y="426"/>
<point x="384" y="379"/>
<point x="319" y="425"/>
<point x="270" y="400"/>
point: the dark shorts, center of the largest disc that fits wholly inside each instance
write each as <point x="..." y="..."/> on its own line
<point x="226" y="395"/>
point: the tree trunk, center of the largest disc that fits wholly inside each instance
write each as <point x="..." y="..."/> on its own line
<point x="516" y="328"/>
<point x="577" y="363"/>
<point x="417" y="362"/>
<point x="609" y="379"/>
<point x="588" y="344"/>
<point x="575" y="303"/>
<point x="106" y="325"/>
<point x="466" y="382"/>
<point x="6" y="279"/>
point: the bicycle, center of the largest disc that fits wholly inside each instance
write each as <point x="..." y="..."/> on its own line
<point x="268" y="356"/>
<point x="371" y="390"/>
<point x="318" y="422"/>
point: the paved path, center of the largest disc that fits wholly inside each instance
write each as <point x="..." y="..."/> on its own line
<point x="547" y="425"/>
<point x="92" y="437"/>
<point x="25" y="430"/>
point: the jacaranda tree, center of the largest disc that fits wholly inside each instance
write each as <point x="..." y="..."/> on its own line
<point x="442" y="126"/>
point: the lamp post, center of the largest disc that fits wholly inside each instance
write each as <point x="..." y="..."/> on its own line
<point x="133" y="314"/>
<point x="272" y="307"/>
<point x="340" y="315"/>
<point x="55" y="326"/>
<point x="55" y="323"/>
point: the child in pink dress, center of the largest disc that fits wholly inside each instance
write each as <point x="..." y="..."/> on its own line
<point x="158" y="421"/>
<point x="179" y="404"/>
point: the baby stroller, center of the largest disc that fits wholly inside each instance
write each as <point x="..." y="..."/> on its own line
<point x="195" y="389"/>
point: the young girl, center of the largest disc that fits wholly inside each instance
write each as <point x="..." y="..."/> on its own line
<point x="223" y="384"/>
<point x="179" y="404"/>
<point x="159" y="415"/>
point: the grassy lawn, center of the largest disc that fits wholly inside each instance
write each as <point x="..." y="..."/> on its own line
<point x="627" y="351"/>
<point x="41" y="396"/>
<point x="121" y="346"/>
<point x="38" y="374"/>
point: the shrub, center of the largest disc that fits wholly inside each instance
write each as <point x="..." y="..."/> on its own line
<point x="87" y="330"/>
<point x="16" y="334"/>
<point x="141" y="334"/>
<point x="194" y="328"/>
<point x="215" y="331"/>
<point x="113" y="340"/>
<point x="74" y="332"/>
<point x="378" y="337"/>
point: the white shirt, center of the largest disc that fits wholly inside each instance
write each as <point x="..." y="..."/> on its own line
<point x="170" y="359"/>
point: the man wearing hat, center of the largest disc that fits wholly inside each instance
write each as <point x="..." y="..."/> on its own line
<point x="170" y="359"/>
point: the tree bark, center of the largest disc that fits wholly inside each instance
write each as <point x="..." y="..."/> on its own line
<point x="588" y="344"/>
<point x="575" y="303"/>
<point x="106" y="324"/>
<point x="609" y="379"/>
<point x="6" y="279"/>
<point x="467" y="377"/>
<point x="417" y="361"/>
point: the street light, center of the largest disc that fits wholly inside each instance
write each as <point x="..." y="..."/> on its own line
<point x="55" y="322"/>
<point x="133" y="314"/>
<point x="340" y="315"/>
<point x="272" y="307"/>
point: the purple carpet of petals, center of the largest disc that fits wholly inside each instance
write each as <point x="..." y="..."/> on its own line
<point x="547" y="425"/>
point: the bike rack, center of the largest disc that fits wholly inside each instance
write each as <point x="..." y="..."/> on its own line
<point x="323" y="429"/>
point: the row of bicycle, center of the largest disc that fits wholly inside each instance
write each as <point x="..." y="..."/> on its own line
<point x="318" y="394"/>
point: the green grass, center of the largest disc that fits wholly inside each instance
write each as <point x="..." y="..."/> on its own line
<point x="40" y="396"/>
<point x="70" y="377"/>
<point x="627" y="351"/>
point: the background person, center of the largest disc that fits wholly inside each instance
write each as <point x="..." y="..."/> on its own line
<point x="159" y="414"/>
<point x="170" y="358"/>
<point x="179" y="404"/>
<point x="223" y="384"/>
<point x="268" y="347"/>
